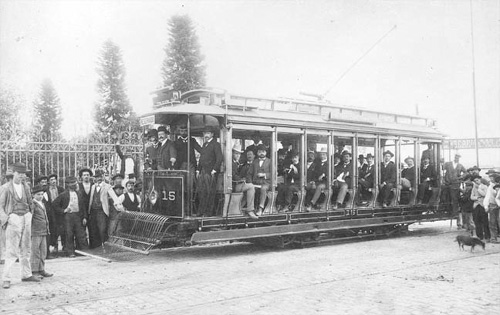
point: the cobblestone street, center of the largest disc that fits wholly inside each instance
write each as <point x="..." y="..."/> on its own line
<point x="422" y="273"/>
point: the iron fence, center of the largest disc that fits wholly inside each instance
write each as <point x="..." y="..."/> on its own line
<point x="44" y="156"/>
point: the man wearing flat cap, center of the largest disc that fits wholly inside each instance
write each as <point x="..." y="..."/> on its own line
<point x="454" y="173"/>
<point x="15" y="218"/>
<point x="167" y="155"/>
<point x="387" y="178"/>
<point x="72" y="206"/>
<point x="152" y="151"/>
<point x="208" y="167"/>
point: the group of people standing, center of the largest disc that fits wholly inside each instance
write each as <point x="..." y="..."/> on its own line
<point x="32" y="220"/>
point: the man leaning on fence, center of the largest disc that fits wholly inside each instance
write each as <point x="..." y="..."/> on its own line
<point x="15" y="218"/>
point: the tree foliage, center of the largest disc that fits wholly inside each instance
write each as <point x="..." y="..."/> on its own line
<point x="47" y="110"/>
<point x="113" y="110"/>
<point x="9" y="112"/>
<point x="183" y="67"/>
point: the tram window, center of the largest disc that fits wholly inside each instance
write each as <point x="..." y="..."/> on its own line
<point x="289" y="181"/>
<point x="428" y="176"/>
<point x="388" y="173"/>
<point x="408" y="169"/>
<point x="366" y="171"/>
<point x="343" y="172"/>
<point x="317" y="171"/>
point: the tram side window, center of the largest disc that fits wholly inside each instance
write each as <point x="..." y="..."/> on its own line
<point x="388" y="173"/>
<point x="343" y="174"/>
<point x="289" y="171"/>
<point x="366" y="171"/>
<point x="428" y="176"/>
<point x="317" y="171"/>
<point x="408" y="171"/>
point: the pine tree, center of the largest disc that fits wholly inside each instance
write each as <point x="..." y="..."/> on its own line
<point x="113" y="108"/>
<point x="183" y="67"/>
<point x="47" y="107"/>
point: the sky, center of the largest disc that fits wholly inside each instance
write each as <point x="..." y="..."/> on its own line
<point x="270" y="49"/>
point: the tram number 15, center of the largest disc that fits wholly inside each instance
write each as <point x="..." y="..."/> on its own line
<point x="169" y="195"/>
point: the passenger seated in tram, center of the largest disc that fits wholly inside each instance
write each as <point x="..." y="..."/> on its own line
<point x="260" y="174"/>
<point x="257" y="140"/>
<point x="407" y="181"/>
<point x="311" y="184"/>
<point x="362" y="164"/>
<point x="366" y="179"/>
<point x="208" y="168"/>
<point x="240" y="184"/>
<point x="336" y="159"/>
<point x="343" y="179"/>
<point x="428" y="153"/>
<point x="319" y="179"/>
<point x="387" y="179"/>
<point x="291" y="184"/>
<point x="428" y="179"/>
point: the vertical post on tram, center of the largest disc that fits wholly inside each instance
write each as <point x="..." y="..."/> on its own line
<point x="189" y="170"/>
<point x="329" y="178"/>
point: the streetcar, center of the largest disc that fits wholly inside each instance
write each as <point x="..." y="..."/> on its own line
<point x="170" y="201"/>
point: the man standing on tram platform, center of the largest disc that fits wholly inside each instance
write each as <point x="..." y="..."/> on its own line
<point x="208" y="168"/>
<point x="260" y="174"/>
<point x="152" y="151"/>
<point x="167" y="155"/>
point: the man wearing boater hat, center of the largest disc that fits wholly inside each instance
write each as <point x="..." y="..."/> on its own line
<point x="15" y="218"/>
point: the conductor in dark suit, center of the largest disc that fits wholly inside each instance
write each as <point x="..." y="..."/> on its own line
<point x="260" y="174"/>
<point x="387" y="178"/>
<point x="167" y="155"/>
<point x="208" y="167"/>
<point x="428" y="179"/>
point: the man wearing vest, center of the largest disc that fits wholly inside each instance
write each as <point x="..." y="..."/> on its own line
<point x="71" y="205"/>
<point x="99" y="210"/>
<point x="15" y="218"/>
<point x="130" y="200"/>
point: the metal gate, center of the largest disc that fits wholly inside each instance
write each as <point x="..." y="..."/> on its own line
<point x="44" y="156"/>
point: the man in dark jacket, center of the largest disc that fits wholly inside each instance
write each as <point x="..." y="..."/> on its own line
<point x="366" y="178"/>
<point x="56" y="222"/>
<point x="387" y="178"/>
<point x="320" y="177"/>
<point x="240" y="184"/>
<point x="208" y="168"/>
<point x="260" y="174"/>
<point x="428" y="179"/>
<point x="167" y="155"/>
<point x="152" y="151"/>
<point x="71" y="204"/>
<point x="454" y="174"/>
<point x="343" y="178"/>
<point x="291" y="182"/>
<point x="181" y="146"/>
<point x="39" y="232"/>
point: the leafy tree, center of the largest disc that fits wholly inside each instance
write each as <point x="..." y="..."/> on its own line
<point x="10" y="103"/>
<point x="183" y="67"/>
<point x="113" y="109"/>
<point x="47" y="107"/>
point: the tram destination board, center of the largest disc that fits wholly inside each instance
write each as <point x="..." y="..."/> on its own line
<point x="164" y="192"/>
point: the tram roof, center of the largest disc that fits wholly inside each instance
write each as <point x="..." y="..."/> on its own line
<point x="245" y="110"/>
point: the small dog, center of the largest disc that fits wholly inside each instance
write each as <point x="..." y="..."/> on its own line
<point x="468" y="241"/>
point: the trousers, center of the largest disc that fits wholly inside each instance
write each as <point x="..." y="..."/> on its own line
<point x="98" y="228"/>
<point x="75" y="232"/>
<point x="38" y="253"/>
<point x="18" y="245"/>
<point x="249" y="191"/>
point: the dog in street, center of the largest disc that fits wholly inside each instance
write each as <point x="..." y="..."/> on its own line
<point x="469" y="241"/>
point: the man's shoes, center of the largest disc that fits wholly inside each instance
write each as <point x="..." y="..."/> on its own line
<point x="259" y="213"/>
<point x="72" y="255"/>
<point x="308" y="208"/>
<point x="252" y="215"/>
<point x="384" y="205"/>
<point x="45" y="274"/>
<point x="6" y="284"/>
<point x="31" y="279"/>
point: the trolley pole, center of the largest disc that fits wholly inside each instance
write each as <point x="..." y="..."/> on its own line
<point x="474" y="84"/>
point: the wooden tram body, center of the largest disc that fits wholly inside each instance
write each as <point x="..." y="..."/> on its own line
<point x="304" y="124"/>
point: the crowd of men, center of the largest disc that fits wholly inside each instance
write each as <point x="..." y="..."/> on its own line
<point x="36" y="223"/>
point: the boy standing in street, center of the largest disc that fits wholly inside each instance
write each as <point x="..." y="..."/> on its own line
<point x="39" y="232"/>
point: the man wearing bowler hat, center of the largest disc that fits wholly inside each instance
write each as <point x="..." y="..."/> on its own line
<point x="71" y="205"/>
<point x="454" y="173"/>
<point x="208" y="167"/>
<point x="387" y="178"/>
<point x="167" y="155"/>
<point x="15" y="218"/>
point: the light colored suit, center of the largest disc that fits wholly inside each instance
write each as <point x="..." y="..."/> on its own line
<point x="106" y="190"/>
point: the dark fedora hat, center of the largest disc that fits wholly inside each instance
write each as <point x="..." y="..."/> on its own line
<point x="209" y="128"/>
<point x="116" y="176"/>
<point x="369" y="155"/>
<point x="19" y="167"/>
<point x="52" y="175"/>
<point x="71" y="180"/>
<point x="83" y="170"/>
<point x="37" y="189"/>
<point x="40" y="178"/>
<point x="99" y="173"/>
<point x="345" y="152"/>
<point x="153" y="133"/>
<point x="389" y="152"/>
<point x="261" y="147"/>
<point x="164" y="129"/>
